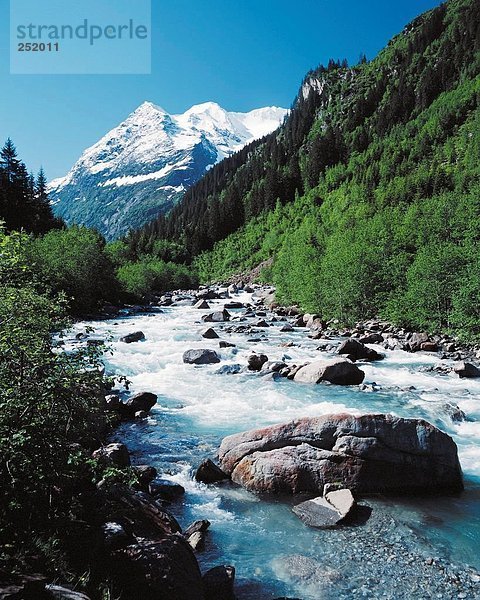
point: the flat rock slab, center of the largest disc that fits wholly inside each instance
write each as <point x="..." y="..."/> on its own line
<point x="317" y="513"/>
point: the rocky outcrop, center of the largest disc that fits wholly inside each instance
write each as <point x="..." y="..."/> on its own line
<point x="219" y="583"/>
<point x="340" y="371"/>
<point x="367" y="454"/>
<point x="200" y="357"/>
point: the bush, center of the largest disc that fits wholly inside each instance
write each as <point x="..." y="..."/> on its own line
<point x="73" y="261"/>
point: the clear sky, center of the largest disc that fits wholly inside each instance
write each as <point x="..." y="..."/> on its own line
<point x="243" y="54"/>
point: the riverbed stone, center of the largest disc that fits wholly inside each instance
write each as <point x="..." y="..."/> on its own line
<point x="130" y="338"/>
<point x="201" y="304"/>
<point x="200" y="357"/>
<point x="143" y="401"/>
<point x="210" y="334"/>
<point x="209" y="472"/>
<point x="339" y="371"/>
<point x="368" y="454"/>
<point x="219" y="583"/>
<point x="113" y="454"/>
<point x="466" y="370"/>
<point x="256" y="361"/>
<point x="358" y="351"/>
<point x="218" y="316"/>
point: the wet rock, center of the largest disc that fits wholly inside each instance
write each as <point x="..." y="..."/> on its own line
<point x="359" y="351"/>
<point x="159" y="570"/>
<point x="326" y="511"/>
<point x="146" y="516"/>
<point x="337" y="371"/>
<point x="202" y="304"/>
<point x="262" y="324"/>
<point x="209" y="472"/>
<point x="367" y="454"/>
<point x="145" y="473"/>
<point x="136" y="336"/>
<point x="276" y="366"/>
<point x="224" y="344"/>
<point x="256" y="361"/>
<point x="234" y="305"/>
<point x="113" y="454"/>
<point x="219" y="582"/>
<point x="287" y="328"/>
<point x="466" y="370"/>
<point x="455" y="413"/>
<point x="415" y="341"/>
<point x="371" y="338"/>
<point x="23" y="587"/>
<point x="112" y="402"/>
<point x="165" y="489"/>
<point x="195" y="534"/>
<point x="140" y="415"/>
<point x="200" y="357"/>
<point x="217" y="317"/>
<point x="210" y="334"/>
<point x="229" y="370"/>
<point x="143" y="401"/>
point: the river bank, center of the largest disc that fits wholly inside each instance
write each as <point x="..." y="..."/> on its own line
<point x="198" y="406"/>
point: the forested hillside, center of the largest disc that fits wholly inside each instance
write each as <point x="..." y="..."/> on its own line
<point x="368" y="197"/>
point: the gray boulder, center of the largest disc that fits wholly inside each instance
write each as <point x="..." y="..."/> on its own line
<point x="143" y="401"/>
<point x="136" y="336"/>
<point x="466" y="370"/>
<point x="338" y="370"/>
<point x="209" y="472"/>
<point x="326" y="511"/>
<point x="358" y="351"/>
<point x="210" y="334"/>
<point x="366" y="454"/>
<point x="203" y="304"/>
<point x="256" y="361"/>
<point x="201" y="357"/>
<point x="218" y="316"/>
<point x="113" y="454"/>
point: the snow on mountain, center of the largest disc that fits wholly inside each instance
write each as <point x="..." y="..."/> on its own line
<point x="140" y="168"/>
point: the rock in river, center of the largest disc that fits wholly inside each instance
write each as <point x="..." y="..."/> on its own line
<point x="200" y="357"/>
<point x="338" y="370"/>
<point x="367" y="454"/>
<point x="327" y="510"/>
<point x="358" y="350"/>
<point x="466" y="370"/>
<point x="136" y="336"/>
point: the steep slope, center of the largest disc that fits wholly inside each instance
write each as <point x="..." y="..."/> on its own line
<point x="367" y="197"/>
<point x="143" y="166"/>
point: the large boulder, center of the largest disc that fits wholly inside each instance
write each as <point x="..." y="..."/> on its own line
<point x="359" y="351"/>
<point x="200" y="357"/>
<point x="367" y="454"/>
<point x="115" y="454"/>
<point x="466" y="370"/>
<point x="219" y="583"/>
<point x="338" y="370"/>
<point x="159" y="570"/>
<point x="141" y="401"/>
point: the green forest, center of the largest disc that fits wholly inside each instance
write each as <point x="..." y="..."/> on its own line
<point x="367" y="198"/>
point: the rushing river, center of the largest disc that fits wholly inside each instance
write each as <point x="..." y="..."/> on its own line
<point x="273" y="552"/>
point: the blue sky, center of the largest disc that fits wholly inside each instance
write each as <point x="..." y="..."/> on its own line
<point x="242" y="54"/>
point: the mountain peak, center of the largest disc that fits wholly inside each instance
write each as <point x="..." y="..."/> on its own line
<point x="141" y="168"/>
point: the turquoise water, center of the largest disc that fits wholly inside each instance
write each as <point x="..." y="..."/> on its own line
<point x="273" y="552"/>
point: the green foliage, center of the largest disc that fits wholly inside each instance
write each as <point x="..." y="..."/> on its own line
<point x="50" y="403"/>
<point x="73" y="261"/>
<point x="140" y="279"/>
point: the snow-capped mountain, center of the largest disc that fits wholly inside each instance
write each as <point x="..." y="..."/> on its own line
<point x="141" y="168"/>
